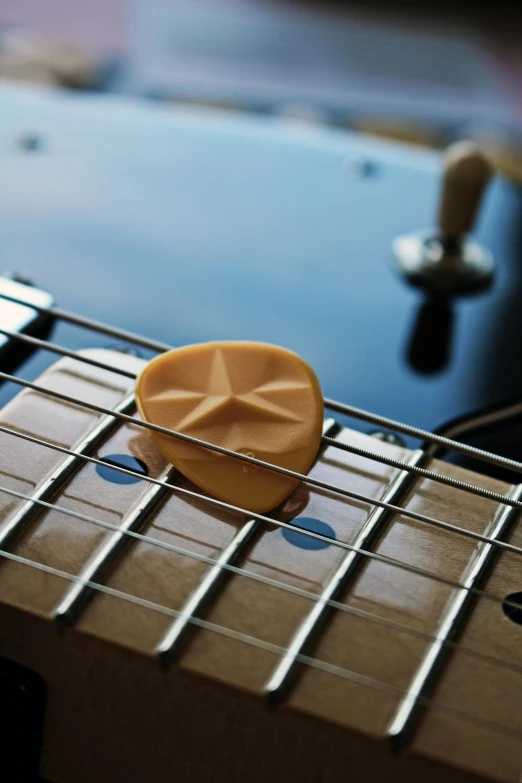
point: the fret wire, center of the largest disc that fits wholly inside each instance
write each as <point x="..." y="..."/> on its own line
<point x="333" y="405"/>
<point x="276" y="468"/>
<point x="229" y="507"/>
<point x="361" y="452"/>
<point x="406" y="718"/>
<point x="447" y="443"/>
<point x="172" y="642"/>
<point x="252" y="641"/>
<point x="283" y="677"/>
<point x="222" y="504"/>
<point x="64" y="471"/>
<point x="266" y="579"/>
<point x="76" y="598"/>
<point x="347" y="609"/>
<point x="367" y="453"/>
<point x="306" y="479"/>
<point x="282" y="585"/>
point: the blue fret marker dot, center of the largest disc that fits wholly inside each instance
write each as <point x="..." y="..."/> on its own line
<point x="307" y="542"/>
<point x="121" y="461"/>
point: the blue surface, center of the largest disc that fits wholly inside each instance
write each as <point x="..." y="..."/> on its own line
<point x="191" y="225"/>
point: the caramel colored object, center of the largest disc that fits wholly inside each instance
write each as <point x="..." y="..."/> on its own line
<point x="253" y="398"/>
<point x="467" y="171"/>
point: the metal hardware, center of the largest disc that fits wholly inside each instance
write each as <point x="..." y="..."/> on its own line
<point x="63" y="472"/>
<point x="333" y="405"/>
<point x="23" y="308"/>
<point x="301" y="477"/>
<point x="291" y="473"/>
<point x="441" y="264"/>
<point x="505" y="602"/>
<point x="173" y="640"/>
<point x="443" y="261"/>
<point x="283" y="677"/>
<point x="171" y="644"/>
<point x="347" y="674"/>
<point x="76" y="598"/>
<point x="493" y="544"/>
<point x="453" y="620"/>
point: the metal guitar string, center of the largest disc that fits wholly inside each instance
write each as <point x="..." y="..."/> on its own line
<point x="306" y="479"/>
<point x="367" y="453"/>
<point x="445" y="442"/>
<point x="270" y="520"/>
<point x="368" y="554"/>
<point x="315" y="663"/>
<point x="363" y="452"/>
<point x="338" y="407"/>
<point x="346" y="608"/>
<point x="244" y="572"/>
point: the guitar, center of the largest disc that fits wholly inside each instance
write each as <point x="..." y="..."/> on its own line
<point x="368" y="627"/>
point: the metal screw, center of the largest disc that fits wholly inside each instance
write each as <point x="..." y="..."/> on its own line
<point x="30" y="142"/>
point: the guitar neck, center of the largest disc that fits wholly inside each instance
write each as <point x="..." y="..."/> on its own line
<point x="379" y="625"/>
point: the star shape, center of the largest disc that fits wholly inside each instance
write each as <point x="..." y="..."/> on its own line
<point x="222" y="403"/>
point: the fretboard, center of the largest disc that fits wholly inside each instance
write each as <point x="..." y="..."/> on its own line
<point x="377" y="623"/>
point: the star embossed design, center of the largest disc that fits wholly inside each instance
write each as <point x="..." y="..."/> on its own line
<point x="225" y="401"/>
<point x="255" y="399"/>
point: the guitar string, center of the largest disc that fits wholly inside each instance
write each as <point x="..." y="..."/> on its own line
<point x="229" y="507"/>
<point x="253" y="641"/>
<point x="501" y="662"/>
<point x="485" y="538"/>
<point x="379" y="420"/>
<point x="362" y="452"/>
<point x="502" y="499"/>
<point x="348" y="410"/>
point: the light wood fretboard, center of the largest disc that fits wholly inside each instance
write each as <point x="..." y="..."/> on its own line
<point x="138" y="692"/>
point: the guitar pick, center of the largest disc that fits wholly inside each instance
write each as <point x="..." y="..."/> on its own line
<point x="256" y="399"/>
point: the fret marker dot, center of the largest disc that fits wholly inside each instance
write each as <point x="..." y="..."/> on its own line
<point x="121" y="461"/>
<point x="513" y="613"/>
<point x="307" y="542"/>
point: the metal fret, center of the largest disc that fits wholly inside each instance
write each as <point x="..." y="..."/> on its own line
<point x="338" y="671"/>
<point x="292" y="588"/>
<point x="403" y="724"/>
<point x="307" y="479"/>
<point x="408" y="513"/>
<point x="26" y="513"/>
<point x="453" y="618"/>
<point x="372" y="455"/>
<point x="282" y="679"/>
<point x="78" y="595"/>
<point x="171" y="644"/>
<point x="442" y="441"/>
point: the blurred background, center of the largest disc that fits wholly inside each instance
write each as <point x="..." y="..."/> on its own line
<point x="279" y="230"/>
<point x="425" y="73"/>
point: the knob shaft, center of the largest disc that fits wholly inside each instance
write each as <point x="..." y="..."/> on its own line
<point x="466" y="173"/>
<point x="442" y="260"/>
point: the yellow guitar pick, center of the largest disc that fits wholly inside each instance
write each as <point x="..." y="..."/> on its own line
<point x="256" y="399"/>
